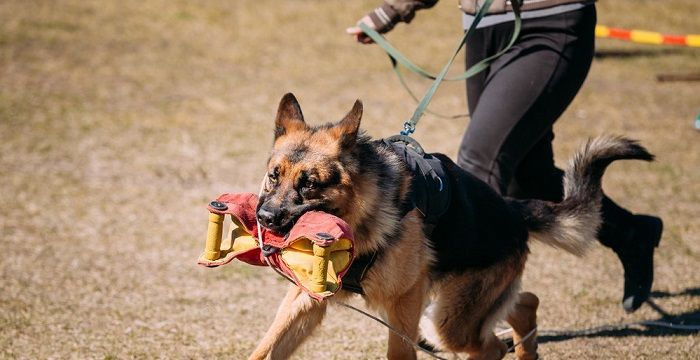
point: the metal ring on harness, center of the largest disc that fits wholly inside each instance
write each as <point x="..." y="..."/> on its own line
<point x="408" y="129"/>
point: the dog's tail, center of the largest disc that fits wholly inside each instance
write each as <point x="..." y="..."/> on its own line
<point x="573" y="224"/>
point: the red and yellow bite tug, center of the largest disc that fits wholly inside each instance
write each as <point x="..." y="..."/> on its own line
<point x="315" y="254"/>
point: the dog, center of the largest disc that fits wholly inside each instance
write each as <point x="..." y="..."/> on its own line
<point x="467" y="263"/>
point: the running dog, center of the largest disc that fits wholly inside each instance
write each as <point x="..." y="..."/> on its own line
<point x="465" y="255"/>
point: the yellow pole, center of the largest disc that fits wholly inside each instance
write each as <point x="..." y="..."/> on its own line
<point x="320" y="268"/>
<point x="214" y="232"/>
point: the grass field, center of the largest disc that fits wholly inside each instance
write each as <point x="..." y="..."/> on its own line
<point x="119" y="120"/>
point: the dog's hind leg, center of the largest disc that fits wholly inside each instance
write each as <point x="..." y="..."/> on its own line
<point x="296" y="318"/>
<point x="472" y="334"/>
<point x="491" y="348"/>
<point x="469" y="304"/>
<point x="523" y="319"/>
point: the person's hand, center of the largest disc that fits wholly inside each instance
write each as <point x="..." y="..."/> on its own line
<point x="381" y="19"/>
<point x="358" y="34"/>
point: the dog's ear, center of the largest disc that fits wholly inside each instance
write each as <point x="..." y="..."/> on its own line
<point x="289" y="116"/>
<point x="346" y="130"/>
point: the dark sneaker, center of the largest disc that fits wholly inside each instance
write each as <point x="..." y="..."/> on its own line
<point x="637" y="257"/>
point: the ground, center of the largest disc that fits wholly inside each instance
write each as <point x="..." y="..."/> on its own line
<point x="119" y="120"/>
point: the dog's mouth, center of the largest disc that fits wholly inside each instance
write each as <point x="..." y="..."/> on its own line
<point x="285" y="226"/>
<point x="281" y="229"/>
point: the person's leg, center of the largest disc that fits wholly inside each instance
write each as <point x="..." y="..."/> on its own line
<point x="508" y="143"/>
<point x="536" y="176"/>
<point x="514" y="106"/>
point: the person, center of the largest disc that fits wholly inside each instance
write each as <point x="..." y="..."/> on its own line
<point x="515" y="103"/>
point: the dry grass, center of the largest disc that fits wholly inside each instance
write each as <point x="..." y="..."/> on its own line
<point x="120" y="119"/>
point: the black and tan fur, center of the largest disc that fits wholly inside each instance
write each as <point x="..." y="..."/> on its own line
<point x="469" y="267"/>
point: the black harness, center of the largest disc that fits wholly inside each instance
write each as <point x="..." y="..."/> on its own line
<point x="430" y="195"/>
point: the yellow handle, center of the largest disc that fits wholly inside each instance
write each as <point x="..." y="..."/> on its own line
<point x="214" y="232"/>
<point x="319" y="273"/>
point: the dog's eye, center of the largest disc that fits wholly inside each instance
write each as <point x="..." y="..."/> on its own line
<point x="310" y="184"/>
<point x="272" y="177"/>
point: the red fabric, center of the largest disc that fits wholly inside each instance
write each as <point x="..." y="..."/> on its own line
<point x="242" y="206"/>
<point x="252" y="257"/>
<point x="314" y="225"/>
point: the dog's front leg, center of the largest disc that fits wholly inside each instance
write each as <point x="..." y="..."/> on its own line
<point x="404" y="315"/>
<point x="296" y="318"/>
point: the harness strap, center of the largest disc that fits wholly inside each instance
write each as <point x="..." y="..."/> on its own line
<point x="430" y="185"/>
<point x="396" y="57"/>
<point x="357" y="271"/>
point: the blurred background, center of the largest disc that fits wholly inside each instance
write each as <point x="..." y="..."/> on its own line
<point x="120" y="120"/>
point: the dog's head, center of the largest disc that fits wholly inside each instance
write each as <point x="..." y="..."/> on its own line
<point x="309" y="167"/>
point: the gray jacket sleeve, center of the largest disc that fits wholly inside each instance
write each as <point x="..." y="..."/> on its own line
<point x="392" y="12"/>
<point x="406" y="9"/>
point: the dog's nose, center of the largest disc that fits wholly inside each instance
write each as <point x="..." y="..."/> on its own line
<point x="266" y="218"/>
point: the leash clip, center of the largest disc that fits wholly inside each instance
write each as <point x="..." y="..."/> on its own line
<point x="408" y="128"/>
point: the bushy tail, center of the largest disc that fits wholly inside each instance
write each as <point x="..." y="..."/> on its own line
<point x="573" y="224"/>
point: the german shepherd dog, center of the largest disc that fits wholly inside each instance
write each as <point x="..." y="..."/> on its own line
<point x="469" y="266"/>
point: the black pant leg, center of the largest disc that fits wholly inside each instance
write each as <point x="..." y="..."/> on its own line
<point x="536" y="176"/>
<point x="525" y="91"/>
